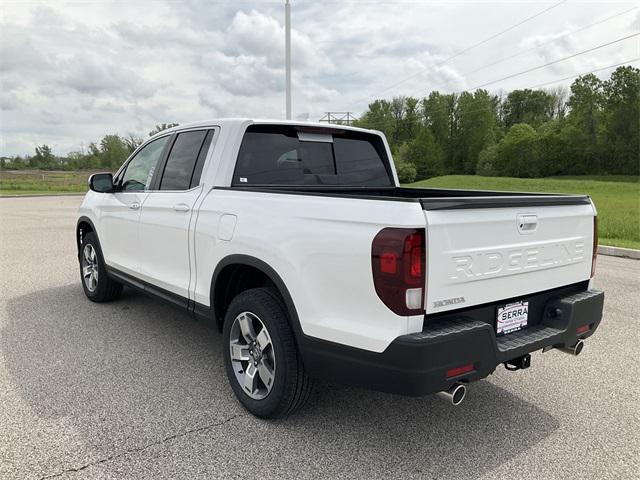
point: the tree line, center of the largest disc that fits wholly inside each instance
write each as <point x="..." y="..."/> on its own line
<point x="593" y="128"/>
<point x="108" y="154"/>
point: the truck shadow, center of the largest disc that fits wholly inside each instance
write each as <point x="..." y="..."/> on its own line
<point x="135" y="371"/>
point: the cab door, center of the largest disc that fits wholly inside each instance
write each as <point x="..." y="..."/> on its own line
<point x="168" y="212"/>
<point x="120" y="211"/>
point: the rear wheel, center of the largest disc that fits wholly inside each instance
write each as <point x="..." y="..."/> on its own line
<point x="97" y="285"/>
<point x="260" y="355"/>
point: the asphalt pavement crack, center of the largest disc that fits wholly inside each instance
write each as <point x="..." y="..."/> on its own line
<point x="144" y="447"/>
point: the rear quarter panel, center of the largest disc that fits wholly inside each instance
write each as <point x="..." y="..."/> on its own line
<point x="320" y="247"/>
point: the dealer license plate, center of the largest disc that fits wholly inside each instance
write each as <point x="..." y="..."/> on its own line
<point x="512" y="317"/>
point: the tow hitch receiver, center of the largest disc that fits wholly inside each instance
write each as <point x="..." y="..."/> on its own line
<point x="519" y="363"/>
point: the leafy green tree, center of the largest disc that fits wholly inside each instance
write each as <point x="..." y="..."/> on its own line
<point x="477" y="122"/>
<point x="378" y="116"/>
<point x="528" y="106"/>
<point x="585" y="116"/>
<point x="439" y="113"/>
<point x="43" y="158"/>
<point x="132" y="142"/>
<point x="397" y="112"/>
<point x="113" y="152"/>
<point x="412" y="121"/>
<point x="554" y="155"/>
<point x="621" y="121"/>
<point x="405" y="169"/>
<point x="517" y="154"/>
<point x="425" y="154"/>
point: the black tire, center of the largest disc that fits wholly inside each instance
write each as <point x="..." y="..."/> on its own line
<point x="106" y="289"/>
<point x="291" y="386"/>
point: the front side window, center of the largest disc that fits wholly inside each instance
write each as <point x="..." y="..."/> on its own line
<point x="289" y="155"/>
<point x="139" y="171"/>
<point x="179" y="170"/>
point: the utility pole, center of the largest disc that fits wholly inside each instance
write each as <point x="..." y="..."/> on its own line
<point x="287" y="54"/>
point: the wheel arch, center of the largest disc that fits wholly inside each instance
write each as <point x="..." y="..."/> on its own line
<point x="223" y="283"/>
<point x="83" y="226"/>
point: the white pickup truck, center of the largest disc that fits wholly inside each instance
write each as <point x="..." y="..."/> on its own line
<point x="298" y="242"/>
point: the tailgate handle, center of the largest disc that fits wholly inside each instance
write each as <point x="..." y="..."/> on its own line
<point x="527" y="223"/>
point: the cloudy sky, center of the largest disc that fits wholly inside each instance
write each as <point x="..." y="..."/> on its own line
<point x="74" y="71"/>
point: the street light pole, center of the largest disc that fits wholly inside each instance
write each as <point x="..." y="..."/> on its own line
<point x="287" y="54"/>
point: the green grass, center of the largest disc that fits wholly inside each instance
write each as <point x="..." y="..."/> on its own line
<point x="30" y="182"/>
<point x="617" y="198"/>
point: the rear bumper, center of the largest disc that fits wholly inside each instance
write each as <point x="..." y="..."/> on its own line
<point x="417" y="364"/>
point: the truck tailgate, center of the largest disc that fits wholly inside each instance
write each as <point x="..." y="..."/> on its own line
<point x="482" y="255"/>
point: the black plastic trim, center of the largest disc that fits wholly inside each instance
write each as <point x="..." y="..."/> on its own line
<point x="265" y="268"/>
<point x="502" y="202"/>
<point x="416" y="364"/>
<point x="83" y="219"/>
<point x="346" y="192"/>
<point x="148" y="288"/>
<point x="430" y="199"/>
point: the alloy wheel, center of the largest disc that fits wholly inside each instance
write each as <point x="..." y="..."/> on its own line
<point x="252" y="355"/>
<point x="90" y="267"/>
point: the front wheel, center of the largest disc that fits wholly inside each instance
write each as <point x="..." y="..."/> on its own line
<point x="97" y="285"/>
<point x="260" y="355"/>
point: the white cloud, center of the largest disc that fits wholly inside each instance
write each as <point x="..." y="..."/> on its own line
<point x="72" y="72"/>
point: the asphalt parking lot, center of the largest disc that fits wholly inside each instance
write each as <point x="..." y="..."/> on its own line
<point x="136" y="389"/>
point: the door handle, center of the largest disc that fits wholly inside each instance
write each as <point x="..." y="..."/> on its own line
<point x="134" y="206"/>
<point x="181" y="207"/>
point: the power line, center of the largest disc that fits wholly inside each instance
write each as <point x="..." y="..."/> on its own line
<point x="556" y="61"/>
<point x="586" y="73"/>
<point x="471" y="47"/>
<point x="438" y="110"/>
<point x="550" y="41"/>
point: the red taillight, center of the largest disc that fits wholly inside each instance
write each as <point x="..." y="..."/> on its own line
<point x="398" y="263"/>
<point x="454" y="372"/>
<point x="583" y="329"/>
<point x="388" y="263"/>
<point x="595" y="246"/>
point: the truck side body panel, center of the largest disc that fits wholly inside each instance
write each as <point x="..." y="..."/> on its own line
<point x="325" y="261"/>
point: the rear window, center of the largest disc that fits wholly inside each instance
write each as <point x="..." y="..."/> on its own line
<point x="289" y="155"/>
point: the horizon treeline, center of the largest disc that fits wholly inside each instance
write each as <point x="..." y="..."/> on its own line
<point x="109" y="153"/>
<point x="593" y="128"/>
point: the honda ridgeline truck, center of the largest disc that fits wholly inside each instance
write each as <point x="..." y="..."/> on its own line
<point x="298" y="242"/>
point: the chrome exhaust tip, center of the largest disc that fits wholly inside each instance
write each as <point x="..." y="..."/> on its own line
<point x="574" y="350"/>
<point x="454" y="395"/>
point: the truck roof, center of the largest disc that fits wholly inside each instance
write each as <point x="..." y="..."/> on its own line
<point x="243" y="122"/>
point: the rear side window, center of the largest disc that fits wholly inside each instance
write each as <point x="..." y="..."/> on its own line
<point x="287" y="155"/>
<point x="197" y="171"/>
<point x="181" y="163"/>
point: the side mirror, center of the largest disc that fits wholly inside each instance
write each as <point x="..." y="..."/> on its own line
<point x="101" y="182"/>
